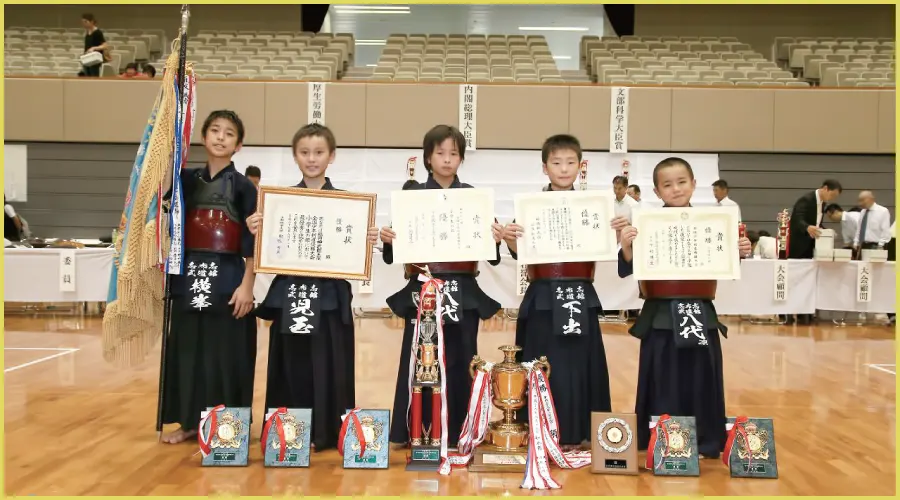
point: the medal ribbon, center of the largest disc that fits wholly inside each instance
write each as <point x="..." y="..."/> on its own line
<point x="475" y="426"/>
<point x="441" y="355"/>
<point x="205" y="438"/>
<point x="352" y="415"/>
<point x="184" y="122"/>
<point x="660" y="424"/>
<point x="737" y="428"/>
<point x="275" y="418"/>
<point x="544" y="438"/>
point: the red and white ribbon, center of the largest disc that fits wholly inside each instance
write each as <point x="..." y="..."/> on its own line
<point x="544" y="436"/>
<point x="654" y="433"/>
<point x="204" y="437"/>
<point x="475" y="427"/>
<point x="276" y="419"/>
<point x="736" y="428"/>
<point x="352" y="416"/>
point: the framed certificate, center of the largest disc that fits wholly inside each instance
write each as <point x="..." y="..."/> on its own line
<point x="316" y="233"/>
<point x="565" y="226"/>
<point x="443" y="225"/>
<point x="692" y="243"/>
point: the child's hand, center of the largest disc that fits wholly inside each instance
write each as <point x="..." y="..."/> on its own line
<point x="373" y="235"/>
<point x="512" y="232"/>
<point x="745" y="248"/>
<point x="254" y="222"/>
<point x="387" y="235"/>
<point x="628" y="236"/>
<point x="497" y="231"/>
<point x="619" y="223"/>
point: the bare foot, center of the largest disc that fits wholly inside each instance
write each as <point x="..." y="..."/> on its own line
<point x="178" y="436"/>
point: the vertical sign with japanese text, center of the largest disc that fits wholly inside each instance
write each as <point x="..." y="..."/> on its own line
<point x="618" y="120"/>
<point x="316" y="108"/>
<point x="67" y="270"/>
<point x="468" y="113"/>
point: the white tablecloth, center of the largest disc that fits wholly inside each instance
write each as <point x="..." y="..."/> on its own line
<point x="32" y="275"/>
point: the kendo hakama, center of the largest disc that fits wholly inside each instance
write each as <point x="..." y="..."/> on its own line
<point x="210" y="355"/>
<point x="312" y="349"/>
<point x="559" y="318"/>
<point x="680" y="372"/>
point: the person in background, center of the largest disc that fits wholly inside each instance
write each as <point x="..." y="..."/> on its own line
<point x="720" y="192"/>
<point x="849" y="221"/>
<point x="874" y="230"/>
<point x="253" y="173"/>
<point x="624" y="203"/>
<point x="12" y="224"/>
<point x="764" y="245"/>
<point x="94" y="41"/>
<point x="131" y="71"/>
<point x="148" y="72"/>
<point x="635" y="192"/>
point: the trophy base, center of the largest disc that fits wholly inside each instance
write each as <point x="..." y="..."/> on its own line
<point x="424" y="458"/>
<point x="492" y="459"/>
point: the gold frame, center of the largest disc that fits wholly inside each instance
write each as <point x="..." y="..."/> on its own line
<point x="371" y="198"/>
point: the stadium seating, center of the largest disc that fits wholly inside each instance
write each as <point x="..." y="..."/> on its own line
<point x="838" y="62"/>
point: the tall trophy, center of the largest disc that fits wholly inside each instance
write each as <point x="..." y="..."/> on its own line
<point x="425" y="443"/>
<point x="582" y="184"/>
<point x="506" y="447"/>
<point x="784" y="234"/>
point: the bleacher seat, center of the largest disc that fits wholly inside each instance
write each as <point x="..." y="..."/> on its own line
<point x="838" y="62"/>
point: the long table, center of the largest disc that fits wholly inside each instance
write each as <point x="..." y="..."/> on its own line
<point x="32" y="275"/>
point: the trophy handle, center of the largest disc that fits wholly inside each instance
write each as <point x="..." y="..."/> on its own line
<point x="476" y="364"/>
<point x="544" y="365"/>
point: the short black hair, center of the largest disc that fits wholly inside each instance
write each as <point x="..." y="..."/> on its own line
<point x="833" y="207"/>
<point x="132" y="65"/>
<point x="720" y="184"/>
<point x="87" y="16"/>
<point x="854" y="208"/>
<point x="225" y="114"/>
<point x="620" y="180"/>
<point x="148" y="69"/>
<point x="832" y="185"/>
<point x="252" y="171"/>
<point x="763" y="232"/>
<point x="315" y="130"/>
<point x="560" y="141"/>
<point x="753" y="236"/>
<point x="673" y="161"/>
<point x="637" y="189"/>
<point x="436" y="136"/>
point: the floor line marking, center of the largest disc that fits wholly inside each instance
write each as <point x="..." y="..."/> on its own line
<point x="881" y="368"/>
<point x="40" y="348"/>
<point x="40" y="360"/>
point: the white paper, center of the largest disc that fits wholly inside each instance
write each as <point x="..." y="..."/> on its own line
<point x="316" y="103"/>
<point x="863" y="281"/>
<point x="780" y="286"/>
<point x="443" y="225"/>
<point x="468" y="113"/>
<point x="67" y="270"/>
<point x="566" y="226"/>
<point x="15" y="172"/>
<point x="618" y="120"/>
<point x="693" y="243"/>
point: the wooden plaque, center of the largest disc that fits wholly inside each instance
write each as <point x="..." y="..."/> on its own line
<point x="614" y="443"/>
<point x="315" y="233"/>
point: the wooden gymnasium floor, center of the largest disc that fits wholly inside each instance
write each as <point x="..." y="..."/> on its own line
<point x="76" y="426"/>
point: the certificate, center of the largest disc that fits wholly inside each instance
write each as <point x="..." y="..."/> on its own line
<point x="315" y="233"/>
<point x="692" y="243"/>
<point x="443" y="225"/>
<point x="565" y="226"/>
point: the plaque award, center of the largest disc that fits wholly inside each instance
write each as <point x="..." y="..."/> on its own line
<point x="425" y="443"/>
<point x="363" y="440"/>
<point x="286" y="437"/>
<point x="783" y="239"/>
<point x="506" y="446"/>
<point x="750" y="448"/>
<point x="224" y="436"/>
<point x="614" y="443"/>
<point x="673" y="446"/>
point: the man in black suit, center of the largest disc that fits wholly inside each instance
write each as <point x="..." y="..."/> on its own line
<point x="806" y="225"/>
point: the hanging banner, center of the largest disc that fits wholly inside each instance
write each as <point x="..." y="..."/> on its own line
<point x="863" y="281"/>
<point x="315" y="109"/>
<point x="618" y="120"/>
<point x="67" y="270"/>
<point x="781" y="281"/>
<point x="468" y="113"/>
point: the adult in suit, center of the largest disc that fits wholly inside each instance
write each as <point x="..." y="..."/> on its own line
<point x="806" y="225"/>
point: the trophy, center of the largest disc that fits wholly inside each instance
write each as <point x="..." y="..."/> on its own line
<point x="625" y="167"/>
<point x="425" y="443"/>
<point x="411" y="168"/>
<point x="506" y="447"/>
<point x="784" y="234"/>
<point x="583" y="182"/>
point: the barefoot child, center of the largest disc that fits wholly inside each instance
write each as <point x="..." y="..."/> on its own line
<point x="580" y="381"/>
<point x="444" y="149"/>
<point x="314" y="368"/>
<point x="211" y="354"/>
<point x="676" y="380"/>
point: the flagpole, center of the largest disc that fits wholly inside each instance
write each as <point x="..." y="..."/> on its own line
<point x="167" y="307"/>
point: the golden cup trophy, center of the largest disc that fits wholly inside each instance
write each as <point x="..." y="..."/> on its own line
<point x="425" y="444"/>
<point x="784" y="234"/>
<point x="583" y="175"/>
<point x="506" y="446"/>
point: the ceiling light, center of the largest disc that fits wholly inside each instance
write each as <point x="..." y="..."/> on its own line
<point x="363" y="9"/>
<point x="551" y="28"/>
<point x="371" y="7"/>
